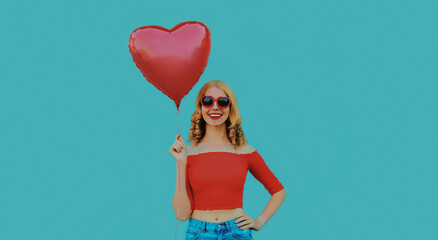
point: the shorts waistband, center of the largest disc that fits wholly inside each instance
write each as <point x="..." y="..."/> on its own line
<point x="211" y="226"/>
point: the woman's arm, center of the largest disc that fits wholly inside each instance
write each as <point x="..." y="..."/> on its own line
<point x="260" y="170"/>
<point x="272" y="207"/>
<point x="180" y="195"/>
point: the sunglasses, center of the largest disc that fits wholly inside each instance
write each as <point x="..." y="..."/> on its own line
<point x="222" y="102"/>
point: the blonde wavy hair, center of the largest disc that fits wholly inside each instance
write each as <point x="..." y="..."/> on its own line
<point x="233" y="123"/>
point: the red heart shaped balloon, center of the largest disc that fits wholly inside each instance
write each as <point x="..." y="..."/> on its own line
<point x="172" y="60"/>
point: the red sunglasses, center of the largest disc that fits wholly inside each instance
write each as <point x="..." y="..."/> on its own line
<point x="222" y="102"/>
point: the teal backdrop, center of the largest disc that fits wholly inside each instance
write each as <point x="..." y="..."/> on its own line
<point x="339" y="97"/>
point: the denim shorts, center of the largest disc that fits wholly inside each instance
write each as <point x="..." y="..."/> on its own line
<point x="201" y="230"/>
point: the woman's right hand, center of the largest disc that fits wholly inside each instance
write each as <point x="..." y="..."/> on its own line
<point x="178" y="149"/>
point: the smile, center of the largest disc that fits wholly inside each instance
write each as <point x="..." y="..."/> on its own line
<point x="215" y="116"/>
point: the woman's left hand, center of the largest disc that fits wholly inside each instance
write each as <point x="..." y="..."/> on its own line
<point x="246" y="222"/>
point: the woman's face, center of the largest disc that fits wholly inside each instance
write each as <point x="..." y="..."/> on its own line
<point x="214" y="109"/>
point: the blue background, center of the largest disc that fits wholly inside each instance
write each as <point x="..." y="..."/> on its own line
<point x="338" y="96"/>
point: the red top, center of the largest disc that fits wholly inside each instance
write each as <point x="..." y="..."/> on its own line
<point x="214" y="180"/>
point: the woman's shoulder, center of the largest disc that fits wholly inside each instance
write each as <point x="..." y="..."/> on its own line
<point x="191" y="149"/>
<point x="194" y="148"/>
<point x="247" y="148"/>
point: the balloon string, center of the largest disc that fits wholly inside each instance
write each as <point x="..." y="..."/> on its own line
<point x="179" y="191"/>
<point x="177" y="124"/>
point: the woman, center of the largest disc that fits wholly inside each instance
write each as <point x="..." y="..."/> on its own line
<point x="214" y="170"/>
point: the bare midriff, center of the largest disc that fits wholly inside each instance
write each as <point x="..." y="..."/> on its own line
<point x="217" y="216"/>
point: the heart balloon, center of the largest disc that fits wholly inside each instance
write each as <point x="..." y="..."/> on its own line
<point x="172" y="60"/>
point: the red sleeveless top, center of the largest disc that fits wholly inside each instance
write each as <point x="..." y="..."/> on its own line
<point x="215" y="180"/>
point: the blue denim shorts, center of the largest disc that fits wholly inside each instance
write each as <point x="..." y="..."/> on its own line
<point x="201" y="230"/>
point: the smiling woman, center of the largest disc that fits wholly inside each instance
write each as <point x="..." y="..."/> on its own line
<point x="214" y="170"/>
<point x="215" y="108"/>
<point x="216" y="97"/>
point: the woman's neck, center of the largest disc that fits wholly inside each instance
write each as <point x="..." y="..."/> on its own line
<point x="215" y="135"/>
